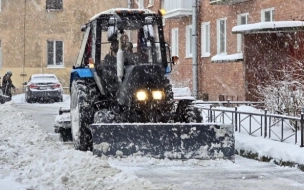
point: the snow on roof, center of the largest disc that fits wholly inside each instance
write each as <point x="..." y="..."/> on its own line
<point x="113" y="11"/>
<point x="183" y="93"/>
<point x="264" y="27"/>
<point x="225" y="57"/>
<point x="43" y="75"/>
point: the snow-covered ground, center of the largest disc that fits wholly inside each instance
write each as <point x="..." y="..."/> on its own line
<point x="31" y="159"/>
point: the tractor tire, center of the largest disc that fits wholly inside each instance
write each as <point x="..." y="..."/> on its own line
<point x="188" y="113"/>
<point x="65" y="135"/>
<point x="169" y="94"/>
<point x="104" y="116"/>
<point x="83" y="94"/>
<point x="193" y="115"/>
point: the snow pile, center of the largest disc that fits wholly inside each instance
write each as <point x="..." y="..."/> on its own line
<point x="182" y="93"/>
<point x="31" y="159"/>
<point x="280" y="151"/>
<point x="29" y="156"/>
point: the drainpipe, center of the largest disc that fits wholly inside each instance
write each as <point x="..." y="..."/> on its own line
<point x="129" y="7"/>
<point x="24" y="24"/>
<point x="194" y="47"/>
<point x="129" y="4"/>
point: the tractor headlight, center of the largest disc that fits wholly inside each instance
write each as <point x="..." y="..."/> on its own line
<point x="141" y="95"/>
<point x="157" y="95"/>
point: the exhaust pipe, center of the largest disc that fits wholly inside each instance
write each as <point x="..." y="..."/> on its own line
<point x="119" y="60"/>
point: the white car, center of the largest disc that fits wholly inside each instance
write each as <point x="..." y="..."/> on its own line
<point x="43" y="87"/>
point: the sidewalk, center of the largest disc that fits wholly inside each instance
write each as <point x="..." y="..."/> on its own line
<point x="264" y="149"/>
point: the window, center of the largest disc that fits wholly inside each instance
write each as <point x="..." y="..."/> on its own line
<point x="221" y="36"/>
<point x="151" y="3"/>
<point x="140" y="4"/>
<point x="267" y="15"/>
<point x="0" y="55"/>
<point x="174" y="41"/>
<point x="55" y="53"/>
<point x="54" y="4"/>
<point x="188" y="41"/>
<point x="241" y="19"/>
<point x="205" y="44"/>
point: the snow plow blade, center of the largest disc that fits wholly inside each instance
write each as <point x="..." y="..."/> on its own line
<point x="172" y="141"/>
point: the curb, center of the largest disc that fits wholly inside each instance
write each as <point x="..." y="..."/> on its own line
<point x="255" y="156"/>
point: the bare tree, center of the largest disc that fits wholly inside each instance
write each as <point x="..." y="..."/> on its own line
<point x="285" y="96"/>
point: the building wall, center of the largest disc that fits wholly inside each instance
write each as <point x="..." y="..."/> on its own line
<point x="223" y="78"/>
<point x="181" y="74"/>
<point x="231" y="78"/>
<point x="26" y="25"/>
<point x="279" y="58"/>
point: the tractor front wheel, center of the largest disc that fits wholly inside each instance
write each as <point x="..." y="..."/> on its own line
<point x="82" y="114"/>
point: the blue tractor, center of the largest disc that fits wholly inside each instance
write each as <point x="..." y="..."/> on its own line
<point x="121" y="99"/>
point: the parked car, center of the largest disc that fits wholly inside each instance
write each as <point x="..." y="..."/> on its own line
<point x="63" y="125"/>
<point x="43" y="87"/>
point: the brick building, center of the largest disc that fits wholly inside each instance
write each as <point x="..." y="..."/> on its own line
<point x="43" y="36"/>
<point x="232" y="64"/>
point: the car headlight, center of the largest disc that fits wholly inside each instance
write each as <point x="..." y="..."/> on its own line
<point x="157" y="95"/>
<point x="141" y="95"/>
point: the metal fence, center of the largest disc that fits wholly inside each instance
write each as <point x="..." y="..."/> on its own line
<point x="273" y="126"/>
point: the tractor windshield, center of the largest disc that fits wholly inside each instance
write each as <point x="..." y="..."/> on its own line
<point x="139" y="40"/>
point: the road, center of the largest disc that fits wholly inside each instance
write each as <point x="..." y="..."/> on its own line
<point x="43" y="113"/>
<point x="243" y="174"/>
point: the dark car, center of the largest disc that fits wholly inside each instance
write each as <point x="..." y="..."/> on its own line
<point x="43" y="87"/>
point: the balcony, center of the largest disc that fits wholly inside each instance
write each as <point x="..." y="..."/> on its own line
<point x="226" y="2"/>
<point x="177" y="8"/>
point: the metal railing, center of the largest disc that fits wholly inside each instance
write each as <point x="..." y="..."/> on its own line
<point x="276" y="127"/>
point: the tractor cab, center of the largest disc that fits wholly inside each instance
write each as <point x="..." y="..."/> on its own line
<point x="126" y="51"/>
<point x="125" y="37"/>
<point x="122" y="100"/>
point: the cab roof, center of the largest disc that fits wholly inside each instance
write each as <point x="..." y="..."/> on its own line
<point x="119" y="10"/>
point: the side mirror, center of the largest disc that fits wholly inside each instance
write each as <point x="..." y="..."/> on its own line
<point x="83" y="28"/>
<point x="175" y="60"/>
<point x="148" y="32"/>
<point x="148" y="29"/>
<point x="24" y="83"/>
<point x="112" y="29"/>
<point x="112" y="33"/>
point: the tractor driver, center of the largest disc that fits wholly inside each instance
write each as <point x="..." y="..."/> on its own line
<point x="129" y="56"/>
<point x="110" y="58"/>
<point x="127" y="48"/>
